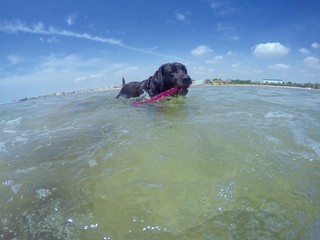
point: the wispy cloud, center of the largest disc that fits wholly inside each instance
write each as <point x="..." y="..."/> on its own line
<point x="180" y="17"/>
<point x="228" y="32"/>
<point x="235" y="65"/>
<point x="215" y="59"/>
<point x="41" y="29"/>
<point x="126" y="70"/>
<point x="14" y="59"/>
<point x="304" y="50"/>
<point x="279" y="66"/>
<point x="231" y="53"/>
<point x="71" y="19"/>
<point x="68" y="72"/>
<point x="222" y="8"/>
<point x="183" y="17"/>
<point x="91" y="77"/>
<point x="51" y="40"/>
<point x="312" y="62"/>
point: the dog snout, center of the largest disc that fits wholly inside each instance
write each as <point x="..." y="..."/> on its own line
<point x="186" y="81"/>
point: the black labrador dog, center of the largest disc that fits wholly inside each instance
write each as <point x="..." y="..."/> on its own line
<point x="169" y="75"/>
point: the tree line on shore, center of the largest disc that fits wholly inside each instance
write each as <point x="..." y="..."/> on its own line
<point x="217" y="81"/>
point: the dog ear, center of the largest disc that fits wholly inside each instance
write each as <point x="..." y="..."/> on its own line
<point x="157" y="83"/>
<point x="123" y="81"/>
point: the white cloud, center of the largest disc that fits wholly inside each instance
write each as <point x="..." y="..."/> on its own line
<point x="71" y="19"/>
<point x="183" y="17"/>
<point x="180" y="17"/>
<point x="279" y="66"/>
<point x="79" y="79"/>
<point x="231" y="53"/>
<point x="126" y="70"/>
<point x="235" y="65"/>
<point x="270" y="50"/>
<point x="315" y="45"/>
<point x="14" y="59"/>
<point x="304" y="50"/>
<point x="215" y="59"/>
<point x="312" y="62"/>
<point x="200" y="50"/>
<point x="235" y="38"/>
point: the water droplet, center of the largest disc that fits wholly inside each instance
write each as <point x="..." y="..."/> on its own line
<point x="92" y="163"/>
<point x="94" y="225"/>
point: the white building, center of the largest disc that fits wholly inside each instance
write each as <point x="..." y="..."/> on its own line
<point x="272" y="81"/>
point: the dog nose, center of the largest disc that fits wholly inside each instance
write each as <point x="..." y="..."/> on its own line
<point x="187" y="81"/>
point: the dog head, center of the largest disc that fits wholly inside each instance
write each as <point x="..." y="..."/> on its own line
<point x="171" y="75"/>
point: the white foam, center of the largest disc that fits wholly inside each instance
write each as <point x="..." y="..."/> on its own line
<point x="92" y="162"/>
<point x="37" y="148"/>
<point x="19" y="139"/>
<point x="15" y="121"/>
<point x="43" y="193"/>
<point x="125" y="142"/>
<point x="278" y="114"/>
<point x="302" y="140"/>
<point x="273" y="139"/>
<point x="239" y="113"/>
<point x="154" y="185"/>
<point x="3" y="147"/>
<point x="162" y="157"/>
<point x="108" y="155"/>
<point x="15" y="187"/>
<point x="25" y="171"/>
<point x="9" y="131"/>
<point x="125" y="131"/>
<point x="7" y="183"/>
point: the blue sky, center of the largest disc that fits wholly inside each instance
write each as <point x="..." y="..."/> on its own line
<point x="53" y="45"/>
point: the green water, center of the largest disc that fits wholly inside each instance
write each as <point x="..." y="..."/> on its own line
<point x="222" y="163"/>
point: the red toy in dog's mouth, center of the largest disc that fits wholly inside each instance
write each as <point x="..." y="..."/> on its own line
<point x="161" y="96"/>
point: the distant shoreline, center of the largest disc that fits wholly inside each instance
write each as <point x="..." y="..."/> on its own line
<point x="253" y="85"/>
<point x="101" y="89"/>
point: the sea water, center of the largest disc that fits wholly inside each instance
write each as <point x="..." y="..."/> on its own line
<point x="221" y="163"/>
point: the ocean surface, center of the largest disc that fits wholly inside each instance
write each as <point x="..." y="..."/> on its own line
<point x="229" y="162"/>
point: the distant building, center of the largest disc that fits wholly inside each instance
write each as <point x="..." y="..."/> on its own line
<point x="272" y="81"/>
<point x="197" y="82"/>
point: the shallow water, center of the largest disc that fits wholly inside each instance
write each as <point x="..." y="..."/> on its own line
<point x="222" y="163"/>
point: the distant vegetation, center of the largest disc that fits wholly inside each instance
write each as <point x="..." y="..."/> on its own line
<point x="217" y="81"/>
